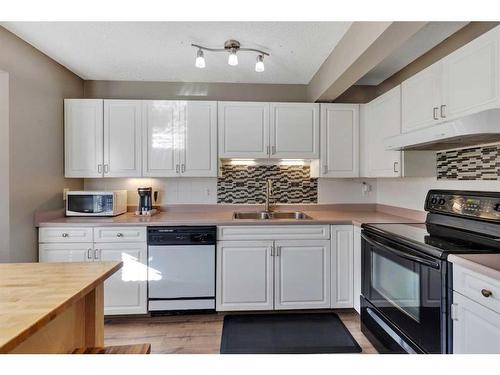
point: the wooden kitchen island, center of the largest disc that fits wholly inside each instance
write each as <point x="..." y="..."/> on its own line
<point x="52" y="307"/>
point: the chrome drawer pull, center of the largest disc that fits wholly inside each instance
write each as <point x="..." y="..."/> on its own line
<point x="486" y="293"/>
<point x="119" y="235"/>
<point x="89" y="253"/>
<point x="65" y="235"/>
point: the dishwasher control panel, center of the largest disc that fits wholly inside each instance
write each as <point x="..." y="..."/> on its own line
<point x="182" y="235"/>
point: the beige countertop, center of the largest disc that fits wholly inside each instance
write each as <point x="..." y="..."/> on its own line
<point x="218" y="216"/>
<point x="486" y="264"/>
<point x="34" y="294"/>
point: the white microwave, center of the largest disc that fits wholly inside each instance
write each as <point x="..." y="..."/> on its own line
<point x="96" y="203"/>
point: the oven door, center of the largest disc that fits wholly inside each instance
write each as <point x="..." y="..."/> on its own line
<point x="405" y="287"/>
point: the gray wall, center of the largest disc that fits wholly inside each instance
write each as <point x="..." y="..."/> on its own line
<point x="4" y="167"/>
<point x="194" y="91"/>
<point x="37" y="87"/>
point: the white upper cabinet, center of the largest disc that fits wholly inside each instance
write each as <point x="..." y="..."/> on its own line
<point x="302" y="274"/>
<point x="381" y="118"/>
<point x="421" y="98"/>
<point x="159" y="139"/>
<point x="339" y="140"/>
<point x="294" y="130"/>
<point x="122" y="138"/>
<point x="243" y="130"/>
<point x="463" y="83"/>
<point x="83" y="137"/>
<point x="471" y="77"/>
<point x="198" y="139"/>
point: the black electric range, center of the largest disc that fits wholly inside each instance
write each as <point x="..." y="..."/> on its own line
<point x="406" y="280"/>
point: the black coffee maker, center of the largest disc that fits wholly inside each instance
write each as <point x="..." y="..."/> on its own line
<point x="145" y="206"/>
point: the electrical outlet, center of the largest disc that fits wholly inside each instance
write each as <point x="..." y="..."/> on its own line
<point x="65" y="193"/>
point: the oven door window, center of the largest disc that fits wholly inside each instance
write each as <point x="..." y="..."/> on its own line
<point x="399" y="285"/>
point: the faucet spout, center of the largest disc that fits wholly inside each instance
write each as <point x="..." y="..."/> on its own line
<point x="269" y="188"/>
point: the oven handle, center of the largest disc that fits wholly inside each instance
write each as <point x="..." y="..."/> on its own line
<point x="401" y="254"/>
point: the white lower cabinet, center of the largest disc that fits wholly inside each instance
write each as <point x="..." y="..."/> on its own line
<point x="302" y="274"/>
<point x="244" y="275"/>
<point x="66" y="252"/>
<point x="476" y="329"/>
<point x="273" y="273"/>
<point x="125" y="292"/>
<point x="342" y="266"/>
<point x="356" y="268"/>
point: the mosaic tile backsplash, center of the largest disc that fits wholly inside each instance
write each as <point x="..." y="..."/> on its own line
<point x="476" y="163"/>
<point x="242" y="184"/>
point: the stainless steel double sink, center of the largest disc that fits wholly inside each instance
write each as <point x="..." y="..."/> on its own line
<point x="271" y="215"/>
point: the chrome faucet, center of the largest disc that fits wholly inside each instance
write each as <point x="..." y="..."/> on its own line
<point x="269" y="188"/>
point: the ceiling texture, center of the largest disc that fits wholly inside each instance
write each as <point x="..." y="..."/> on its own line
<point x="161" y="51"/>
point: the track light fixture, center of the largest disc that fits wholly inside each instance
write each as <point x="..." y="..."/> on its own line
<point x="233" y="47"/>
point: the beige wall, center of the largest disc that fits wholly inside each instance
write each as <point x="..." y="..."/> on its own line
<point x="37" y="87"/>
<point x="4" y="167"/>
<point x="194" y="91"/>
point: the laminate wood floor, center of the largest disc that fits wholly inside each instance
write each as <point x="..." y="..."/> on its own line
<point x="193" y="334"/>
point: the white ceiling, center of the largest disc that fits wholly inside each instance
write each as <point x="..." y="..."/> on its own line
<point x="428" y="37"/>
<point x="161" y="51"/>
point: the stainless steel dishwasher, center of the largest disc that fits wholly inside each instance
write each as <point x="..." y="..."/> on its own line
<point x="181" y="263"/>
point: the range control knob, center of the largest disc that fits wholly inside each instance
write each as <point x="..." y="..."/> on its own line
<point x="434" y="200"/>
<point x="497" y="207"/>
<point x="441" y="202"/>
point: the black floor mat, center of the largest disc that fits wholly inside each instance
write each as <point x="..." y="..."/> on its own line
<point x="286" y="334"/>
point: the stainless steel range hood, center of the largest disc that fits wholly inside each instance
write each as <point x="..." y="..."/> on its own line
<point x="476" y="129"/>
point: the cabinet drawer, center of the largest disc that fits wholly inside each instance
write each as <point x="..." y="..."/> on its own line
<point x="65" y="234"/>
<point x="473" y="284"/>
<point x="274" y="232"/>
<point x="120" y="234"/>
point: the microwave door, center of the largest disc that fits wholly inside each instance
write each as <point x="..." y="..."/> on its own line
<point x="84" y="204"/>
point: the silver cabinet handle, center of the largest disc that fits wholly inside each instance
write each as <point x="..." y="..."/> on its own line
<point x="486" y="293"/>
<point x="272" y="250"/>
<point x="325" y="169"/>
<point x="65" y="235"/>
<point x="177" y="168"/>
<point x="396" y="165"/>
<point x="89" y="253"/>
<point x="268" y="150"/>
<point x="96" y="254"/>
<point x="435" y="113"/>
<point x="278" y="251"/>
<point x="99" y="168"/>
<point x="106" y="168"/>
<point x="443" y="113"/>
<point x="119" y="235"/>
<point x="183" y="168"/>
<point x="273" y="150"/>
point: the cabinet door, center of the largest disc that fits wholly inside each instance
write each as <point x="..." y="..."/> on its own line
<point x="125" y="292"/>
<point x="476" y="329"/>
<point x="65" y="252"/>
<point x="302" y="274"/>
<point x="160" y="136"/>
<point x="243" y="130"/>
<point x="339" y="140"/>
<point x="295" y="130"/>
<point x="122" y="138"/>
<point x="244" y="275"/>
<point x="356" y="268"/>
<point x="381" y="119"/>
<point x="198" y="151"/>
<point x="342" y="266"/>
<point x="83" y="137"/>
<point x="421" y="98"/>
<point x="471" y="77"/>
